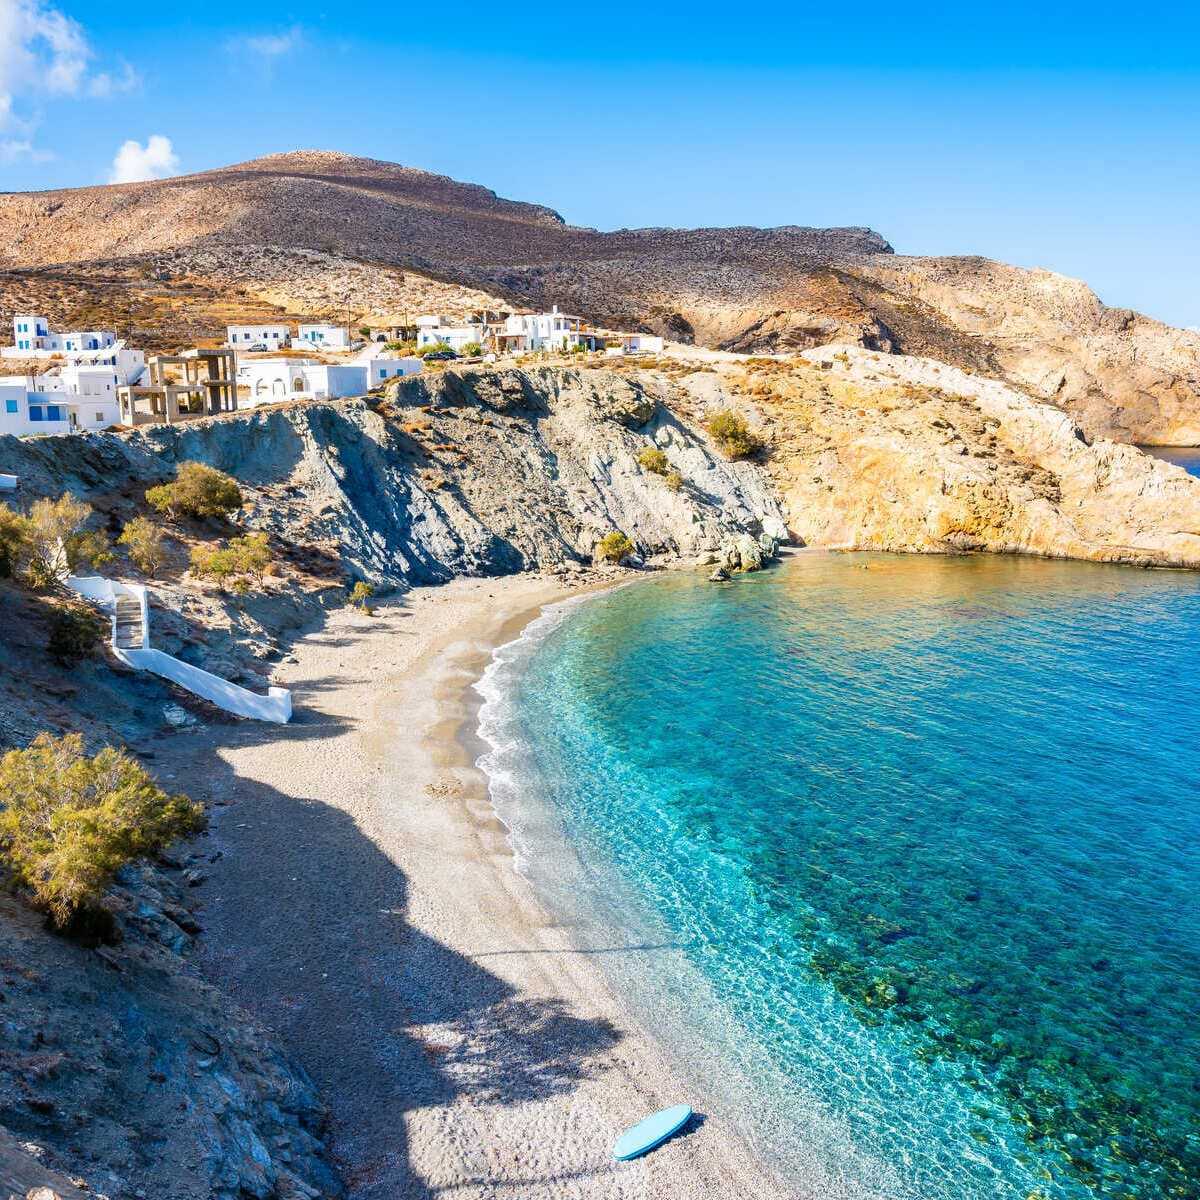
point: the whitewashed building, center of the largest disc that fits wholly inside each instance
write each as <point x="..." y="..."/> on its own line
<point x="632" y="343"/>
<point x="25" y="411"/>
<point x="437" y="330"/>
<point x="323" y="337"/>
<point x="242" y="337"/>
<point x="33" y="338"/>
<point x="272" y="380"/>
<point x="73" y="398"/>
<point x="554" y="330"/>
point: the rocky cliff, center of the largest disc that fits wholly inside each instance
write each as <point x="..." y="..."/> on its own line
<point x="887" y="452"/>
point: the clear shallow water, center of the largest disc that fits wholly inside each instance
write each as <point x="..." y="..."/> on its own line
<point x="896" y="854"/>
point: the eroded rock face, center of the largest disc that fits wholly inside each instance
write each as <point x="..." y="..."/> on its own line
<point x="124" y="1070"/>
<point x="477" y="472"/>
<point x="876" y="451"/>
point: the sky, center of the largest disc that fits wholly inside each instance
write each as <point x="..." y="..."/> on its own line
<point x="1055" y="135"/>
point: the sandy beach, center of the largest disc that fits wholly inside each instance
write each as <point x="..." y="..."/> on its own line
<point x="364" y="906"/>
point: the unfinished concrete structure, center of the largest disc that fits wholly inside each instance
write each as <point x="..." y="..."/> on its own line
<point x="196" y="383"/>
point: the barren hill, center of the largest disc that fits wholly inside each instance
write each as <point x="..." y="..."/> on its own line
<point x="319" y="233"/>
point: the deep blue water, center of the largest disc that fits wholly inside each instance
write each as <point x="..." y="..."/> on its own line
<point x="1187" y="457"/>
<point x="897" y="855"/>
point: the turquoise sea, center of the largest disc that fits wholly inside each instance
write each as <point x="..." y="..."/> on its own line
<point x="896" y="855"/>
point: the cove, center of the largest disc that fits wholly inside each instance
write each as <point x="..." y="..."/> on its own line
<point x="895" y="854"/>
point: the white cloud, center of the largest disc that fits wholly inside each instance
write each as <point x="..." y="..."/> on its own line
<point x="106" y="84"/>
<point x="268" y="45"/>
<point x="44" y="53"/>
<point x="135" y="162"/>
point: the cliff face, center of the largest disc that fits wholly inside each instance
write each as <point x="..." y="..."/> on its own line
<point x="476" y="472"/>
<point x="877" y="451"/>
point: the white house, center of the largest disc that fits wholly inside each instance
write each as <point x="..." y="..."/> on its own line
<point x="434" y="330"/>
<point x="241" y="337"/>
<point x="546" y="331"/>
<point x="271" y="380"/>
<point x="24" y="412"/>
<point x="379" y="370"/>
<point x="89" y="392"/>
<point x="632" y="343"/>
<point x="33" y="338"/>
<point x="324" y="337"/>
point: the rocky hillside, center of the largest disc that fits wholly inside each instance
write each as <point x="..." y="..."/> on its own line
<point x="319" y="233"/>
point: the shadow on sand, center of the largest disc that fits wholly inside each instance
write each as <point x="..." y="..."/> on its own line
<point x="305" y="925"/>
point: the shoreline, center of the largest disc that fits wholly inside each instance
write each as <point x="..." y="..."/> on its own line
<point x="367" y="908"/>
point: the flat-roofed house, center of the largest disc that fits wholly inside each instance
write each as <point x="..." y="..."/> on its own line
<point x="33" y="338"/>
<point x="433" y="330"/>
<point x="553" y="330"/>
<point x="323" y="337"/>
<point x="272" y="380"/>
<point x="242" y="337"/>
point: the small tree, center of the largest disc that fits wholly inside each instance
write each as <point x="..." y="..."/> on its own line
<point x="143" y="540"/>
<point x="654" y="460"/>
<point x="733" y="435"/>
<point x="56" y="541"/>
<point x="197" y="491"/>
<point x="613" y="547"/>
<point x="231" y="564"/>
<point x="361" y="595"/>
<point x="75" y="634"/>
<point x="14" y="538"/>
<point x="68" y="822"/>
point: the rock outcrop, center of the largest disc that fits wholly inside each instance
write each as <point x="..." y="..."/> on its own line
<point x="885" y="452"/>
<point x="125" y="1074"/>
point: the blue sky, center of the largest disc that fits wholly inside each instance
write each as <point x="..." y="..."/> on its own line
<point x="1059" y="135"/>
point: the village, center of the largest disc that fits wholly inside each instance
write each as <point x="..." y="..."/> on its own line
<point x="81" y="381"/>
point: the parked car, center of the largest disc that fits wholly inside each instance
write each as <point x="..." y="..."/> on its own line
<point x="440" y="356"/>
<point x="258" y="346"/>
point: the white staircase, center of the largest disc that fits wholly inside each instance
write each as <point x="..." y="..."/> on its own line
<point x="129" y="607"/>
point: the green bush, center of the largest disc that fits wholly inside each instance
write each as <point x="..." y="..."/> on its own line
<point x="733" y="435"/>
<point x="361" y="594"/>
<point x="673" y="480"/>
<point x="76" y="633"/>
<point x="14" y="539"/>
<point x="68" y="822"/>
<point x="143" y="540"/>
<point x="197" y="491"/>
<point x="472" y="350"/>
<point x="243" y="557"/>
<point x="406" y="348"/>
<point x="432" y="347"/>
<point x="613" y="547"/>
<point x="652" y="459"/>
